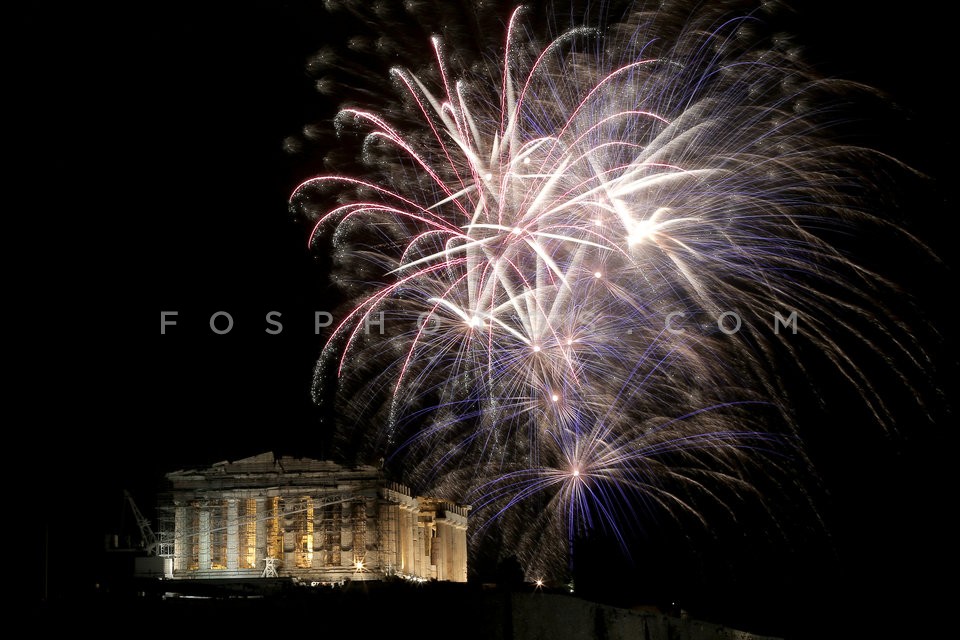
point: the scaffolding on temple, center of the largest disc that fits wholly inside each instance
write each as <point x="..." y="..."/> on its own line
<point x="306" y="519"/>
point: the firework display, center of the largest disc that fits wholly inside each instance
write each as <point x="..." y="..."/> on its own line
<point x="578" y="261"/>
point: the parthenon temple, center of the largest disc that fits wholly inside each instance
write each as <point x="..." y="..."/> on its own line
<point x="313" y="520"/>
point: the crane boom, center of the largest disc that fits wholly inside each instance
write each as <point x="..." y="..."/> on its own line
<point x="147" y="535"/>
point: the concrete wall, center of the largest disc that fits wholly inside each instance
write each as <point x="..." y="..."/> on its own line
<point x="543" y="616"/>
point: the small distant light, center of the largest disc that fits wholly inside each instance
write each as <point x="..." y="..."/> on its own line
<point x="569" y="341"/>
<point x="539" y="584"/>
<point x="517" y="231"/>
<point x="526" y="161"/>
<point x="536" y="348"/>
<point x="488" y="176"/>
<point x="555" y="397"/>
<point x="597" y="274"/>
<point x="576" y="472"/>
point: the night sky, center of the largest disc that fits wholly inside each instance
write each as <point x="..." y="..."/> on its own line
<point x="192" y="116"/>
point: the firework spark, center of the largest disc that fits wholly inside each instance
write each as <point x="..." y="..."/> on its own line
<point x="568" y="262"/>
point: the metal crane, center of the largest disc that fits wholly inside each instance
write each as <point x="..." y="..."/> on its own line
<point x="147" y="536"/>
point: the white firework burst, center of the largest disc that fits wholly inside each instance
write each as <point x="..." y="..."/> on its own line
<point x="576" y="251"/>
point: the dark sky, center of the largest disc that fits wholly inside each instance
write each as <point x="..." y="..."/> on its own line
<point x="191" y="119"/>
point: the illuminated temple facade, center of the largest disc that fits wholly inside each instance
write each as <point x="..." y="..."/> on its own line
<point x="312" y="520"/>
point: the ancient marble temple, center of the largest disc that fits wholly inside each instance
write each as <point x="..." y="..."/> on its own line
<point x="312" y="520"/>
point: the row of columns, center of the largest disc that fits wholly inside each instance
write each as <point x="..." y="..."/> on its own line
<point x="429" y="544"/>
<point x="451" y="541"/>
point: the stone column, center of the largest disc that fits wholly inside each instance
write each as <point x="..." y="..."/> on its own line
<point x="204" y="538"/>
<point x="288" y="524"/>
<point x="433" y="557"/>
<point x="462" y="562"/>
<point x="417" y="555"/>
<point x="233" y="546"/>
<point x="407" y="535"/>
<point x="183" y="539"/>
<point x="319" y="538"/>
<point x="449" y="545"/>
<point x="346" y="534"/>
<point x="261" y="532"/>
<point x="387" y="535"/>
<point x="437" y="555"/>
<point x="369" y="532"/>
